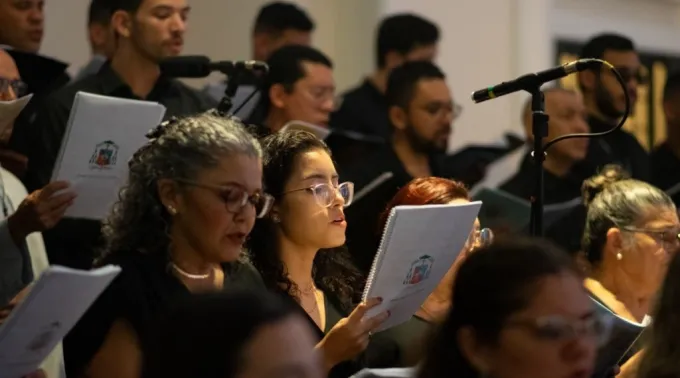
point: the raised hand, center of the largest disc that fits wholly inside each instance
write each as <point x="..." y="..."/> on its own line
<point x="41" y="210"/>
<point x="350" y="336"/>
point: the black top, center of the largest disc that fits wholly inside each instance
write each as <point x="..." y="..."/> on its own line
<point x="42" y="75"/>
<point x="381" y="353"/>
<point x="71" y="242"/>
<point x="410" y="337"/>
<point x="556" y="189"/>
<point x="144" y="290"/>
<point x="620" y="148"/>
<point x="364" y="110"/>
<point x="666" y="171"/>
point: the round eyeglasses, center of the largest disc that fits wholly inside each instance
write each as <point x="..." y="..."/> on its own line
<point x="19" y="87"/>
<point x="235" y="198"/>
<point x="558" y="328"/>
<point x="325" y="194"/>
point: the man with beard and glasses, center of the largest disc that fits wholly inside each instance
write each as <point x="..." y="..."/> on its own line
<point x="146" y="32"/>
<point x="605" y="101"/>
<point x="421" y="111"/>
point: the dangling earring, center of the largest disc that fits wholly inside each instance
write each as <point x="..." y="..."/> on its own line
<point x="619" y="256"/>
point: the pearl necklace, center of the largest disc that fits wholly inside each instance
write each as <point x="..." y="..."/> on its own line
<point x="189" y="275"/>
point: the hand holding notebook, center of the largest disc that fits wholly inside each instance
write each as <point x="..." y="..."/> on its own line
<point x="418" y="247"/>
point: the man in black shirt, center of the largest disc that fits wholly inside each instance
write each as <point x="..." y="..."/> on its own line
<point x="22" y="26"/>
<point x="277" y="24"/>
<point x="666" y="157"/>
<point x="299" y="86"/>
<point x="401" y="38"/>
<point x="567" y="116"/>
<point x="147" y="31"/>
<point x="421" y="111"/>
<point x="605" y="101"/>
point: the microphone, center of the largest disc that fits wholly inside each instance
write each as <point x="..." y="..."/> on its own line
<point x="199" y="66"/>
<point x="530" y="81"/>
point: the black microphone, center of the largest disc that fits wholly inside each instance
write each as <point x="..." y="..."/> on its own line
<point x="529" y="81"/>
<point x="198" y="66"/>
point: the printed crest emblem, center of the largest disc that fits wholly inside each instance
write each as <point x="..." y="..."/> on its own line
<point x="105" y="155"/>
<point x="419" y="270"/>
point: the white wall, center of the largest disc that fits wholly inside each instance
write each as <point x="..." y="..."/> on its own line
<point x="221" y="30"/>
<point x="484" y="41"/>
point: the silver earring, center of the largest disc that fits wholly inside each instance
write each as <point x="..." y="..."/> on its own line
<point x="619" y="256"/>
<point x="172" y="210"/>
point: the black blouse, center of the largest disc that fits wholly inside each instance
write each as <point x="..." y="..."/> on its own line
<point x="144" y="290"/>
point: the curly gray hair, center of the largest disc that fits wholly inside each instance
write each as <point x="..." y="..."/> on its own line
<point x="178" y="150"/>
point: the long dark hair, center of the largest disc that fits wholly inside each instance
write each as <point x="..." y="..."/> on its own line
<point x="204" y="335"/>
<point x="662" y="350"/>
<point x="492" y="284"/>
<point x="333" y="271"/>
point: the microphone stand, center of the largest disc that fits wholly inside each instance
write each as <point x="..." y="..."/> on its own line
<point x="539" y="128"/>
<point x="226" y="103"/>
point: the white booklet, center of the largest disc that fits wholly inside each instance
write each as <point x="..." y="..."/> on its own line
<point x="53" y="306"/>
<point x="418" y="246"/>
<point x="101" y="136"/>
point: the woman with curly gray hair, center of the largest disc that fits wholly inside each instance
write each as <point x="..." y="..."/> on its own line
<point x="191" y="199"/>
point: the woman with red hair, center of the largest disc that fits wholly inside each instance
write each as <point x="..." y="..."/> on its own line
<point x="430" y="191"/>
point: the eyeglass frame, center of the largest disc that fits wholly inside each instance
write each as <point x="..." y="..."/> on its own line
<point x="314" y="188"/>
<point x="19" y="87"/>
<point x="651" y="232"/>
<point x="247" y="198"/>
<point x="534" y="325"/>
<point x="474" y="240"/>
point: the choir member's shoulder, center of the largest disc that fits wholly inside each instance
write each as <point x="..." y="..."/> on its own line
<point x="243" y="274"/>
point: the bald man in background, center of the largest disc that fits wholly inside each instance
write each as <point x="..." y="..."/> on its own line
<point x="568" y="115"/>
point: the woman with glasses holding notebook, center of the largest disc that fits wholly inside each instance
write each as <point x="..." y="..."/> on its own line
<point x="631" y="230"/>
<point x="410" y="336"/>
<point x="298" y="247"/>
<point x="191" y="198"/>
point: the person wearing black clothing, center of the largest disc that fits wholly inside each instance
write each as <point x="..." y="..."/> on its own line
<point x="277" y="24"/>
<point x="299" y="248"/>
<point x="605" y="101"/>
<point x="191" y="198"/>
<point x="666" y="157"/>
<point x="421" y="112"/>
<point x="400" y="38"/>
<point x="132" y="73"/>
<point x="561" y="182"/>
<point x="300" y="87"/>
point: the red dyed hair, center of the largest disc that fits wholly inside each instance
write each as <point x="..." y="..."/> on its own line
<point x="426" y="191"/>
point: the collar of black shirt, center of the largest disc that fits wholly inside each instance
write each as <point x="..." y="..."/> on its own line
<point x="113" y="85"/>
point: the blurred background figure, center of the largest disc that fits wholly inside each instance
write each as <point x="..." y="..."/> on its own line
<point x="101" y="37"/>
<point x="230" y="335"/>
<point x="519" y="310"/>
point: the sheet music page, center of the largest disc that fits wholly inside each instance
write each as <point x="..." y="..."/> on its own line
<point x="53" y="306"/>
<point x="102" y="135"/>
<point x="419" y="246"/>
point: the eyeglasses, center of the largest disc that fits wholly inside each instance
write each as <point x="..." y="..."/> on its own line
<point x="457" y="110"/>
<point x="557" y="328"/>
<point x="669" y="237"/>
<point x="325" y="194"/>
<point x="18" y="87"/>
<point x="479" y="238"/>
<point x="235" y="199"/>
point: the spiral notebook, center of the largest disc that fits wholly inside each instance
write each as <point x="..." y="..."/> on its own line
<point x="418" y="246"/>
